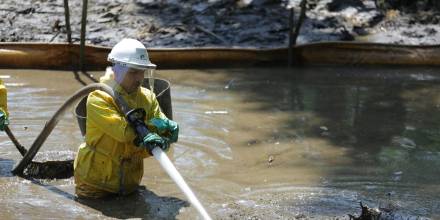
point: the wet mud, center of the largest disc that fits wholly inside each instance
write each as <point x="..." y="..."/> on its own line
<point x="49" y="170"/>
<point x="304" y="143"/>
<point x="194" y="23"/>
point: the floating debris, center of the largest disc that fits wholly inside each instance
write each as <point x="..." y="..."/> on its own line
<point x="324" y="128"/>
<point x="270" y="160"/>
<point x="221" y="112"/>
<point x="252" y="142"/>
<point x="228" y="86"/>
<point x="398" y="173"/>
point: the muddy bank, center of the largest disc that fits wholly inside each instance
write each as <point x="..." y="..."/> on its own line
<point x="195" y="23"/>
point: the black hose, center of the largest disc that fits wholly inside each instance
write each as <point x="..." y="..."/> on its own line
<point x="11" y="136"/>
<point x="43" y="170"/>
<point x="50" y="125"/>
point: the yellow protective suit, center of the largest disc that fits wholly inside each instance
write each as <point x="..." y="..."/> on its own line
<point x="108" y="162"/>
<point x="3" y="98"/>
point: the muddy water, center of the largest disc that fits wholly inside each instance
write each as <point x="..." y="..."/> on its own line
<point x="254" y="144"/>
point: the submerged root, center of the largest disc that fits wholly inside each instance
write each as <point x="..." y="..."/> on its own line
<point x="49" y="170"/>
<point x="367" y="214"/>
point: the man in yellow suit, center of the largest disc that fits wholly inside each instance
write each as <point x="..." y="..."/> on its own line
<point x="3" y="107"/>
<point x="110" y="162"/>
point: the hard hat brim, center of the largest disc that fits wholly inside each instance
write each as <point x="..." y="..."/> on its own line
<point x="142" y="66"/>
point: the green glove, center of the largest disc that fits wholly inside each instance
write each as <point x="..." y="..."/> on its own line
<point x="165" y="127"/>
<point x="3" y="120"/>
<point x="173" y="127"/>
<point x="152" y="140"/>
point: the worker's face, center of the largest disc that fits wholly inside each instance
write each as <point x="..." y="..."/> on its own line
<point x="132" y="80"/>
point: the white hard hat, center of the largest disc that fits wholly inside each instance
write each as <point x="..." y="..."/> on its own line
<point x="131" y="53"/>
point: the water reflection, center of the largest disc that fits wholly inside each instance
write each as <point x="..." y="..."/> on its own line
<point x="331" y="103"/>
<point x="294" y="97"/>
<point x="387" y="129"/>
<point x="380" y="117"/>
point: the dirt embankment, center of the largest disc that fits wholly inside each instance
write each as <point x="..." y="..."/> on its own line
<point x="229" y="23"/>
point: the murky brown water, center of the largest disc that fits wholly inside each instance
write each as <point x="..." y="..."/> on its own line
<point x="254" y="144"/>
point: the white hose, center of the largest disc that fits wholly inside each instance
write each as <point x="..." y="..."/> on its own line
<point x="168" y="166"/>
